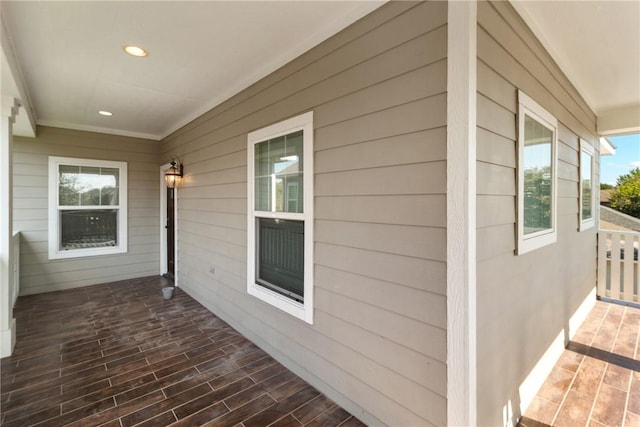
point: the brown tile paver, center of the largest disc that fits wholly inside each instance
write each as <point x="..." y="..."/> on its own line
<point x="596" y="381"/>
<point x="120" y="355"/>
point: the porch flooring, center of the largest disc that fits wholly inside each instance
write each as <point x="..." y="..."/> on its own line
<point x="596" y="382"/>
<point x="118" y="354"/>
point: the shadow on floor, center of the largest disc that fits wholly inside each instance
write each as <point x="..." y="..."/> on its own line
<point x="528" y="422"/>
<point x="605" y="356"/>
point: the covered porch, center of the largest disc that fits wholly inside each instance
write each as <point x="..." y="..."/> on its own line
<point x="118" y="354"/>
<point x="596" y="381"/>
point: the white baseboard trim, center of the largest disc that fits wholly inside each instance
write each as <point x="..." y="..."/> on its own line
<point x="8" y="339"/>
<point x="530" y="386"/>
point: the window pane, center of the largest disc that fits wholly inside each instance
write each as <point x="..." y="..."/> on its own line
<point x="68" y="193"/>
<point x="280" y="258"/>
<point x="88" y="229"/>
<point x="293" y="193"/>
<point x="263" y="195"/>
<point x="262" y="159"/>
<point x="538" y="177"/>
<point x="88" y="186"/>
<point x="278" y="163"/>
<point x="585" y="179"/>
<point x="110" y="185"/>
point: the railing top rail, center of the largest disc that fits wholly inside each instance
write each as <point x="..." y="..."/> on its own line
<point x="618" y="232"/>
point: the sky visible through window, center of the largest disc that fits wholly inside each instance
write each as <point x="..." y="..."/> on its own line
<point x="627" y="157"/>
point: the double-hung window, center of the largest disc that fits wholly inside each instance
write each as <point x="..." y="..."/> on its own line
<point x="587" y="199"/>
<point x="280" y="215"/>
<point x="87" y="207"/>
<point x="537" y="177"/>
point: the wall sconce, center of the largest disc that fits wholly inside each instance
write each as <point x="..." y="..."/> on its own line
<point x="173" y="175"/>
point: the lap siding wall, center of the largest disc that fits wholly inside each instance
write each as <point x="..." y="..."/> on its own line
<point x="378" y="92"/>
<point x="31" y="156"/>
<point x="524" y="301"/>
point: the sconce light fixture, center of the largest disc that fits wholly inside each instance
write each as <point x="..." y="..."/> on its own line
<point x="173" y="175"/>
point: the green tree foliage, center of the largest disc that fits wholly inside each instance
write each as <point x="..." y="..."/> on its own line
<point x="626" y="196"/>
<point x="537" y="199"/>
<point x="604" y="186"/>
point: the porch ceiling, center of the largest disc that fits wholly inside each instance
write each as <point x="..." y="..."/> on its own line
<point x="597" y="45"/>
<point x="69" y="56"/>
<point x="64" y="60"/>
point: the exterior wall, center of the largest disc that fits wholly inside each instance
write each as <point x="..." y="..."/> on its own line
<point x="31" y="155"/>
<point x="524" y="302"/>
<point x="378" y="92"/>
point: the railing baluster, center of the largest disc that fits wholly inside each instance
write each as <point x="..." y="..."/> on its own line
<point x="615" y="265"/>
<point x="603" y="237"/>
<point x="627" y="280"/>
<point x="635" y="275"/>
<point x="618" y="265"/>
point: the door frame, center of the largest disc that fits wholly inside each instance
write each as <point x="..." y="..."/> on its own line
<point x="163" y="222"/>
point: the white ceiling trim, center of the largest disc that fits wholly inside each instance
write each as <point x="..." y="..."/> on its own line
<point x="619" y="121"/>
<point x="606" y="147"/>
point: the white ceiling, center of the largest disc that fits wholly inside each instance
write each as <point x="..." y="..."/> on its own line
<point x="201" y="53"/>
<point x="64" y="60"/>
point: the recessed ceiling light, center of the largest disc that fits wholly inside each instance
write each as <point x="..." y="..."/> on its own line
<point x="105" y="113"/>
<point x="135" y="51"/>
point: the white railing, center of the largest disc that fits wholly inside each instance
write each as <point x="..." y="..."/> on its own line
<point x="618" y="265"/>
<point x="14" y="289"/>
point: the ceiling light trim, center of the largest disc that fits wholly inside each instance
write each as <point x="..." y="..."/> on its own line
<point x="135" y="51"/>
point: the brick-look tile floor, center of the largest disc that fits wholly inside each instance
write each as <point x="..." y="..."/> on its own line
<point x="596" y="382"/>
<point x="118" y="354"/>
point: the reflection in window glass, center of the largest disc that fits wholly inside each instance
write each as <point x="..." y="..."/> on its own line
<point x="280" y="263"/>
<point x="537" y="163"/>
<point x="88" y="186"/>
<point x="585" y="183"/>
<point x="88" y="229"/>
<point x="279" y="174"/>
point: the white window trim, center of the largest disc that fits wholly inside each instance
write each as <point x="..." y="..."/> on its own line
<point x="54" y="217"/>
<point x="304" y="122"/>
<point x="587" y="148"/>
<point x="533" y="241"/>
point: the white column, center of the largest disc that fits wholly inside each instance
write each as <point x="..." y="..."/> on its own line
<point x="8" y="112"/>
<point x="461" y="213"/>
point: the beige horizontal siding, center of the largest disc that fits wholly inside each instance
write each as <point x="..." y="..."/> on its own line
<point x="326" y="61"/>
<point x="398" y="179"/>
<point x="529" y="53"/>
<point x="495" y="210"/>
<point x="420" y="210"/>
<point x="417" y="147"/>
<point x="31" y="156"/>
<point x="378" y="93"/>
<point x="523" y="301"/>
<point x="496" y="57"/>
<point x="495" y="149"/>
<point x="419" y="242"/>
